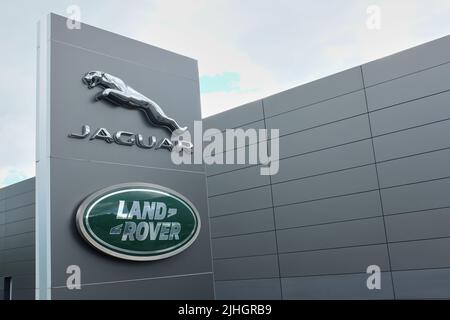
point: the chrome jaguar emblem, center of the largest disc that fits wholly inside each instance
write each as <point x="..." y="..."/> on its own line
<point x="117" y="92"/>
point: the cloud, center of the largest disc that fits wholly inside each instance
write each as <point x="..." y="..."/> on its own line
<point x="270" y="46"/>
<point x="17" y="125"/>
<point x="206" y="31"/>
<point x="11" y="175"/>
<point x="276" y="47"/>
<point x="401" y="27"/>
<point x="224" y="82"/>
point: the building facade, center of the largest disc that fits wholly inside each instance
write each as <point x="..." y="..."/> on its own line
<point x="364" y="180"/>
<point x="17" y="240"/>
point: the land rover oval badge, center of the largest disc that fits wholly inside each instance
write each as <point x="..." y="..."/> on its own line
<point x="138" y="221"/>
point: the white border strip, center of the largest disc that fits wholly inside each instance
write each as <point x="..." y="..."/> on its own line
<point x="43" y="204"/>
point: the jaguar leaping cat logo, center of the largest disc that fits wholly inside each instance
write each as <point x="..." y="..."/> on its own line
<point x="117" y="92"/>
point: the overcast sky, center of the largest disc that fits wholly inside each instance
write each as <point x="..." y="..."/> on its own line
<point x="246" y="49"/>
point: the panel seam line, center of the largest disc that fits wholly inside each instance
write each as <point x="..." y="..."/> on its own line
<point x="378" y="182"/>
<point x="273" y="210"/>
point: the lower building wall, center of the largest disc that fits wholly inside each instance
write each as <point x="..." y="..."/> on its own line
<point x="17" y="250"/>
<point x="364" y="179"/>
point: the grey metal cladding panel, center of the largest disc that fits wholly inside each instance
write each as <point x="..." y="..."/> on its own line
<point x="248" y="200"/>
<point x="213" y="169"/>
<point x="23" y="294"/>
<point x="355" y="206"/>
<point x="246" y="245"/>
<point x="19" y="268"/>
<point x="418" y="168"/>
<point x="245" y="155"/>
<point x="110" y="44"/>
<point x="421" y="254"/>
<point x="21" y="200"/>
<point x="246" y="268"/>
<point x="420" y="196"/>
<point x="17" y="227"/>
<point x="235" y="117"/>
<point x="20" y="213"/>
<point x="349" y="286"/>
<point x="2" y="193"/>
<point x="176" y="288"/>
<point x="408" y="61"/>
<point x="236" y="180"/>
<point x="418" y="225"/>
<point x="341" y="234"/>
<point x="20" y="187"/>
<point x="2" y="205"/>
<point x="335" y="261"/>
<point x="24" y="282"/>
<point x="327" y="185"/>
<point x="261" y="289"/>
<point x="328" y="160"/>
<point x="19" y="240"/>
<point x="19" y="254"/>
<point x="335" y="109"/>
<point x="247" y="222"/>
<point x="233" y="143"/>
<point x="2" y="218"/>
<point x="82" y="178"/>
<point x="322" y="89"/>
<point x="413" y="141"/>
<point x="410" y="114"/>
<point x="410" y="87"/>
<point x="422" y="284"/>
<point x="329" y="135"/>
<point x="72" y="101"/>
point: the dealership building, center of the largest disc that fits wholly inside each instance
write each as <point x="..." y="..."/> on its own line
<point x="363" y="181"/>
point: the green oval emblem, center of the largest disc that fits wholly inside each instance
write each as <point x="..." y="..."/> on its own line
<point x="138" y="221"/>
